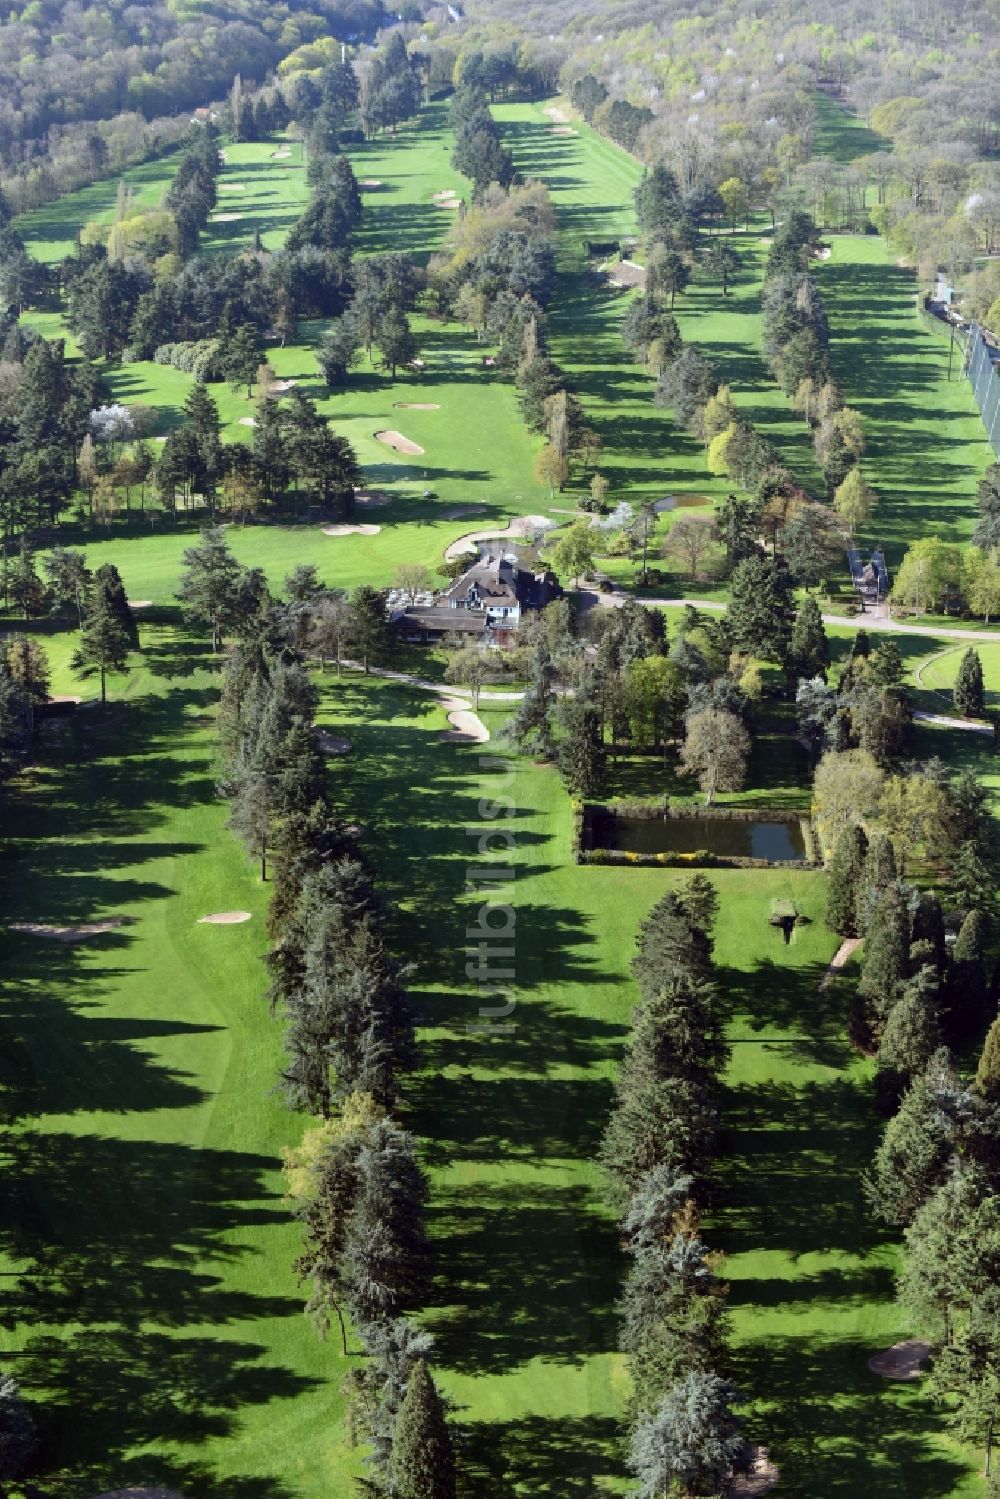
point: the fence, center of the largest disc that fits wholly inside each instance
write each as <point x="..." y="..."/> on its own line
<point x="983" y="369"/>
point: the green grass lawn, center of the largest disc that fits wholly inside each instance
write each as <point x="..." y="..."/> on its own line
<point x="926" y="445"/>
<point x="842" y="135"/>
<point x="145" y="1220"/>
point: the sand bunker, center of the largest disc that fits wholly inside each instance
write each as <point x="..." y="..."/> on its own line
<point x="248" y="421"/>
<point x="417" y="364"/>
<point x="626" y="274"/>
<point x="522" y="525"/>
<point x="226" y="218"/>
<point x="224" y="918"/>
<point x="374" y="501"/>
<point x="681" y="502"/>
<point x="466" y="727"/>
<point x="901" y="1361"/>
<point x="64" y="697"/>
<point x="140" y="603"/>
<point x="559" y="116"/>
<point x="759" y="1479"/>
<point x="370" y="182"/>
<point x="332" y="744"/>
<point x="463" y="511"/>
<point x="68" y="933"/>
<point x="231" y="187"/>
<point x="281" y="154"/>
<point x="282" y="387"/>
<point x="562" y="130"/>
<point x="823" y="253"/>
<point x="351" y="530"/>
<point x="416" y="406"/>
<point x="396" y="440"/>
<point x="446" y="195"/>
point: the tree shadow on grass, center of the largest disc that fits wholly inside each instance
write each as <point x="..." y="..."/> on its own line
<point x="570" y="1457"/>
<point x="526" y="1271"/>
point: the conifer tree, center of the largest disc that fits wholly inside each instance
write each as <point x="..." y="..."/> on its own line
<point x="423" y="1459"/>
<point x="209" y="589"/>
<point x="844" y="881"/>
<point x="808" y="650"/>
<point x="910" y="1038"/>
<point x="581" y="755"/>
<point x="673" y="1316"/>
<point x="973" y="883"/>
<point x="878" y="874"/>
<point x="968" y="984"/>
<point x="970" y="692"/>
<point x="885" y="954"/>
<point x="105" y="640"/>
<point x="915" y="1149"/>
<point x="691" y="1443"/>
<point x="988" y="1071"/>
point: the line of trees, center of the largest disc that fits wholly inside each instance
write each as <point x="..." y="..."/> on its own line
<point x="355" y="1181"/>
<point x="657" y="1156"/>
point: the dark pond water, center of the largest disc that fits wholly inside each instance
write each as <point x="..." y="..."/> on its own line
<point x="688" y="835"/>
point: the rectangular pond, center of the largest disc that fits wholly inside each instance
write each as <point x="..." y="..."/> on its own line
<point x="772" y="838"/>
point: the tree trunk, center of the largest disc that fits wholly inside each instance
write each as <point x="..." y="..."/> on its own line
<point x="104" y="682"/>
<point x="343" y="1329"/>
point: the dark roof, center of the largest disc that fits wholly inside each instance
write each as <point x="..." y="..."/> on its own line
<point x="494" y="580"/>
<point x="440" y="617"/>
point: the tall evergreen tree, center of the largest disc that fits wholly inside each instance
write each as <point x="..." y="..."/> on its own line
<point x="968" y="985"/>
<point x="423" y="1459"/>
<point x="105" y="640"/>
<point x="369" y="628"/>
<point x="988" y="1071"/>
<point x="910" y="1038"/>
<point x="760" y="610"/>
<point x="808" y="650"/>
<point x="844" y="880"/>
<point x="970" y="690"/>
<point x="692" y="1443"/>
<point x="209" y="589"/>
<point x="885" y="955"/>
<point x="914" y="1152"/>
<point x="581" y="755"/>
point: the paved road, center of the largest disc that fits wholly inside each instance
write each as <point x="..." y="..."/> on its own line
<point x="869" y="622"/>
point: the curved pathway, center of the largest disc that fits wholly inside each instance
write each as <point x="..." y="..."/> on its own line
<point x="869" y="622"/>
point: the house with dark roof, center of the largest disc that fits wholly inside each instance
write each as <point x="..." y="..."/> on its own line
<point x="486" y="603"/>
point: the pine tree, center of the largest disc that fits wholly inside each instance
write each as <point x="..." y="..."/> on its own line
<point x="761" y="610"/>
<point x="692" y="1443"/>
<point x="209" y="589"/>
<point x="968" y="983"/>
<point x="672" y="1313"/>
<point x="878" y="874"/>
<point x="581" y="755"/>
<point x="913" y="1155"/>
<point x="970" y="692"/>
<point x="423" y="1459"/>
<point x="670" y="943"/>
<point x="105" y="640"/>
<point x="369" y="625"/>
<point x="808" y="650"/>
<point x="885" y="954"/>
<point x="386" y="1256"/>
<point x="844" y="881"/>
<point x="988" y="1071"/>
<point x="15" y="726"/>
<point x="966" y="1374"/>
<point x="910" y="1038"/>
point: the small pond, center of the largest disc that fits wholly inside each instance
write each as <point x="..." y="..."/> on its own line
<point x="763" y="839"/>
